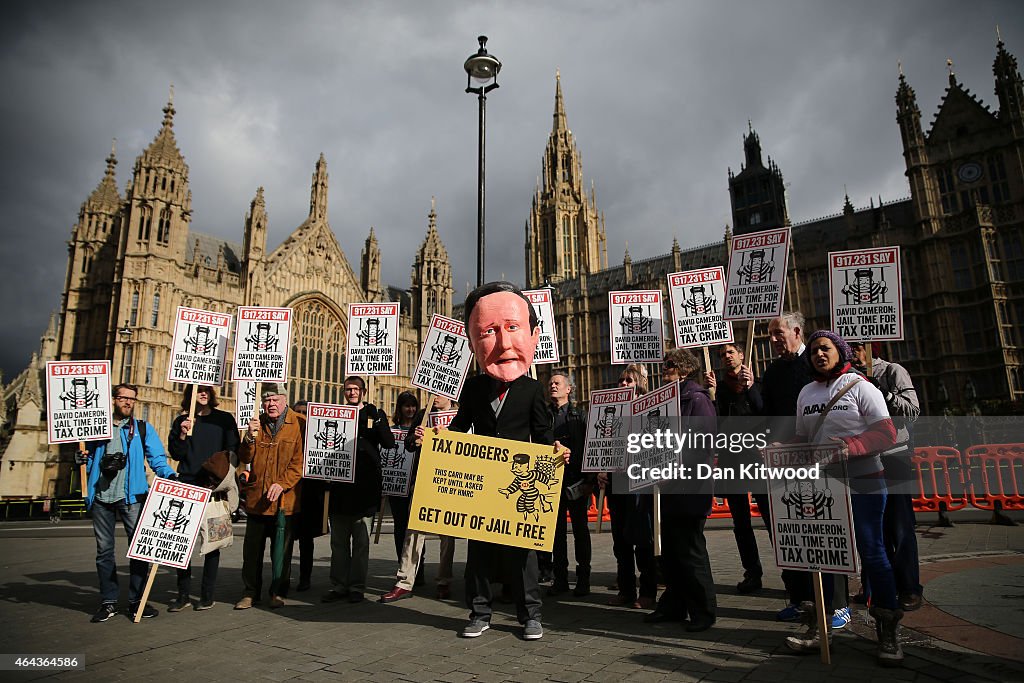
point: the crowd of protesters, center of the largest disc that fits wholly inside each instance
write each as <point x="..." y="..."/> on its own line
<point x="796" y="395"/>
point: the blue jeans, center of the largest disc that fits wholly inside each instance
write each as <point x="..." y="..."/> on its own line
<point x="868" y="513"/>
<point x="103" y="518"/>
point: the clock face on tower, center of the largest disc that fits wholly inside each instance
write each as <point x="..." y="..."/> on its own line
<point x="969" y="172"/>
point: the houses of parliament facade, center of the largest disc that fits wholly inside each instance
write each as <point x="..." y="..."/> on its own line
<point x="133" y="258"/>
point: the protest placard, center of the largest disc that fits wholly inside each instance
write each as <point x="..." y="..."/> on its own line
<point x="396" y="466"/>
<point x="811" y="513"/>
<point x="444" y="358"/>
<point x="757" y="275"/>
<point x="654" y="412"/>
<point x="78" y="403"/>
<point x="441" y="418"/>
<point x="331" y="441"/>
<point x="262" y="340"/>
<point x="698" y="303"/>
<point x="547" y="347"/>
<point x="168" y="524"/>
<point x="372" y="339"/>
<point x="245" y="403"/>
<point x="608" y="424"/>
<point x="199" y="347"/>
<point x="636" y="328"/>
<point x="867" y="294"/>
<point x="487" y="489"/>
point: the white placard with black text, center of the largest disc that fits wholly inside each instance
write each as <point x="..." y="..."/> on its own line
<point x="372" y="339"/>
<point x="199" y="348"/>
<point x="444" y="358"/>
<point x="635" y="324"/>
<point x="608" y="426"/>
<point x="262" y="339"/>
<point x="331" y="442"/>
<point x="698" y="304"/>
<point x="757" y="275"/>
<point x="78" y="403"/>
<point x="547" y="346"/>
<point x="867" y="294"/>
<point x="169" y="523"/>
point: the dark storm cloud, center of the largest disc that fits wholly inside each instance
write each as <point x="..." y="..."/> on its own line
<point x="658" y="95"/>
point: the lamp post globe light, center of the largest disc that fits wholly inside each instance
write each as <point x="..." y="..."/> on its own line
<point x="481" y="68"/>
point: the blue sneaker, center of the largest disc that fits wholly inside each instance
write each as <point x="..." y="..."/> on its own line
<point x="790" y="612"/>
<point x="840" y="618"/>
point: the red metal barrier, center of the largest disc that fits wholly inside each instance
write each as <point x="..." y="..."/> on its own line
<point x="592" y="510"/>
<point x="719" y="508"/>
<point x="940" y="479"/>
<point x="997" y="475"/>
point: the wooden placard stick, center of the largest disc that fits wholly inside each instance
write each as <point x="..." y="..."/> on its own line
<point x="656" y="510"/>
<point x="870" y="358"/>
<point x="707" y="368"/>
<point x="747" y="358"/>
<point x="600" y="508"/>
<point x="82" y="473"/>
<point x="192" y="409"/>
<point x="821" y="618"/>
<point x="145" y="593"/>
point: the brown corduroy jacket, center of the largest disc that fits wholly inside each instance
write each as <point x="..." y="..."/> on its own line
<point x="275" y="460"/>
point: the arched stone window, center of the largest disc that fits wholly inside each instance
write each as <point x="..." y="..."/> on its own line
<point x="317" y="332"/>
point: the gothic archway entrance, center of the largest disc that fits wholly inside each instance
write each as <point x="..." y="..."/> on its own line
<point x="317" y="353"/>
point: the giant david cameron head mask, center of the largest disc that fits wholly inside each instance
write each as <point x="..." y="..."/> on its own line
<point x="502" y="329"/>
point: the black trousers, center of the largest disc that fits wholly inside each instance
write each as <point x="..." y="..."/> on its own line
<point x="258" y="528"/>
<point x="690" y="585"/>
<point x="743" y="530"/>
<point x="577" y="510"/>
<point x="517" y="567"/>
<point x="211" y="563"/>
<point x="798" y="584"/>
<point x="633" y="546"/>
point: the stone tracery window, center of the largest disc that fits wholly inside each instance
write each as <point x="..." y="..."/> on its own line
<point x="317" y="353"/>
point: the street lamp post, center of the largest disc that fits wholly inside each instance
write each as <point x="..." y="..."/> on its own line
<point x="125" y="336"/>
<point x="482" y="68"/>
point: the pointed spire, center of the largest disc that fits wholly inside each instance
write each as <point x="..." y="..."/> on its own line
<point x="169" y="109"/>
<point x="952" y="74"/>
<point x="372" y="238"/>
<point x="847" y="205"/>
<point x="105" y="195"/>
<point x="675" y="244"/>
<point x="318" y="191"/>
<point x="560" y="120"/>
<point x="164" y="148"/>
<point x="627" y="258"/>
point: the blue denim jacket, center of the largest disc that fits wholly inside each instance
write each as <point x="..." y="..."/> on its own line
<point x="139" y="453"/>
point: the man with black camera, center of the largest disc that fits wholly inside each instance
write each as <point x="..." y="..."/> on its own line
<point x="116" y="472"/>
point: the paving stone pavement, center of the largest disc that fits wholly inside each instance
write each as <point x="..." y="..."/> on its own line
<point x="48" y="592"/>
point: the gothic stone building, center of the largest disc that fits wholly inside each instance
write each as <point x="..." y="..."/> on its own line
<point x="133" y="260"/>
<point x="961" y="234"/>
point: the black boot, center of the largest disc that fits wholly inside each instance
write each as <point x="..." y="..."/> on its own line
<point x="582" y="582"/>
<point x="887" y="623"/>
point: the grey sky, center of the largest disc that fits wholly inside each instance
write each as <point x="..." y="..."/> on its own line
<point x="658" y="95"/>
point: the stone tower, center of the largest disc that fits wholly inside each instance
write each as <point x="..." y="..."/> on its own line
<point x="431" y="277"/>
<point x="757" y="192"/>
<point x="369" y="269"/>
<point x="565" y="233"/>
<point x="88" y="283"/>
<point x="254" y="249"/>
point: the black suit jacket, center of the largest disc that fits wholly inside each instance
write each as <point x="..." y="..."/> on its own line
<point x="524" y="416"/>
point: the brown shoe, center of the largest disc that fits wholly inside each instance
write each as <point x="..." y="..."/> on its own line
<point x="444" y="592"/>
<point x="621" y="601"/>
<point x="276" y="602"/>
<point x="645" y="602"/>
<point x="244" y="603"/>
